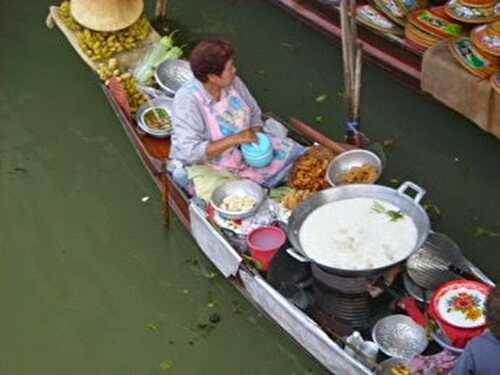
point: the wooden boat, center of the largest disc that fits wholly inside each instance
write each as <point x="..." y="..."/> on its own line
<point x="303" y="329"/>
<point x="389" y="51"/>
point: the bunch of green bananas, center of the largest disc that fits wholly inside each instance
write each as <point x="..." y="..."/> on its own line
<point x="100" y="45"/>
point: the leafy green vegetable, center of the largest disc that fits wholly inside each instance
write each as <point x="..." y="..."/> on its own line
<point x="279" y="192"/>
<point x="159" y="51"/>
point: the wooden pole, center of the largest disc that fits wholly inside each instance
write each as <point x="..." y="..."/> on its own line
<point x="161" y="9"/>
<point x="353" y="42"/>
<point x="357" y="81"/>
<point x="165" y="197"/>
<point x="345" y="57"/>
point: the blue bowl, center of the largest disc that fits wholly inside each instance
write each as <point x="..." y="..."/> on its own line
<point x="258" y="148"/>
<point x="258" y="154"/>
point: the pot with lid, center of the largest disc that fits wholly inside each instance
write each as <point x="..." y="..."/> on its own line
<point x="398" y="198"/>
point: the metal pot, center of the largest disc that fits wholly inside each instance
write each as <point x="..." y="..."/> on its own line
<point x="409" y="206"/>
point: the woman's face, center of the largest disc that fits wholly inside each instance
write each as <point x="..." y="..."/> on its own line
<point x="227" y="76"/>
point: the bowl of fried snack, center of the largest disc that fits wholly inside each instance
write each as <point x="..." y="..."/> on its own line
<point x="354" y="167"/>
<point x="309" y="170"/>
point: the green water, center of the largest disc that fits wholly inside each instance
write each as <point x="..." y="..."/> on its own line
<point x="92" y="282"/>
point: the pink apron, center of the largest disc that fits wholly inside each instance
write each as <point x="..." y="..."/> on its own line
<point x="229" y="116"/>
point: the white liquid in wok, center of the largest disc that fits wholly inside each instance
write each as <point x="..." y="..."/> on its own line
<point x="353" y="235"/>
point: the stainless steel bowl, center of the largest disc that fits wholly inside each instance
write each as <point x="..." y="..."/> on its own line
<point x="165" y="103"/>
<point x="172" y="74"/>
<point x="341" y="164"/>
<point x="241" y="188"/>
<point x="400" y="337"/>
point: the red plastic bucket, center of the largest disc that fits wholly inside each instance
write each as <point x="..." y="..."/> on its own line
<point x="264" y="242"/>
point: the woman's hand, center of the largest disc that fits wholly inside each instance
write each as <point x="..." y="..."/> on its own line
<point x="245" y="136"/>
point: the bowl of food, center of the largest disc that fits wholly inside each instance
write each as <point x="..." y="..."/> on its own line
<point x="398" y="336"/>
<point x="172" y="74"/>
<point x="155" y="117"/>
<point x="354" y="167"/>
<point x="237" y="199"/>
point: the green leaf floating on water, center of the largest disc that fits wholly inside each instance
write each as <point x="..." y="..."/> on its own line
<point x="321" y="98"/>
<point x="165" y="365"/>
<point x="319" y="119"/>
<point x="483" y="232"/>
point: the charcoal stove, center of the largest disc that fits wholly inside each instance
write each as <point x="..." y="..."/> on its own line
<point x="344" y="298"/>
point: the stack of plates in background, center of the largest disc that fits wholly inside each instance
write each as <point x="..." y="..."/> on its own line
<point x="426" y="27"/>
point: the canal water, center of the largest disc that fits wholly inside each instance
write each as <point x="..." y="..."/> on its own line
<point x="93" y="283"/>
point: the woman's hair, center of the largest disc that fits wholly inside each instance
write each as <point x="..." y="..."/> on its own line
<point x="493" y="311"/>
<point x="210" y="57"/>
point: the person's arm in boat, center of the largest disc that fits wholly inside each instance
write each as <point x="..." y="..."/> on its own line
<point x="218" y="147"/>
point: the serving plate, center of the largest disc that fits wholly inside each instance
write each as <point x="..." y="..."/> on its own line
<point x="433" y="23"/>
<point x="460" y="12"/>
<point x="371" y="17"/>
<point x="470" y="58"/>
<point x="460" y="303"/>
<point x="420" y="38"/>
<point x="487" y="39"/>
<point x="392" y="10"/>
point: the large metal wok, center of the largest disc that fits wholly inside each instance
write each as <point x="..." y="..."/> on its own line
<point x="408" y="206"/>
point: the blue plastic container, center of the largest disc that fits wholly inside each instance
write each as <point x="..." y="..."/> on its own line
<point x="258" y="154"/>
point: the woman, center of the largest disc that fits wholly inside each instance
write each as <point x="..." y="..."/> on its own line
<point x="482" y="354"/>
<point x="215" y="113"/>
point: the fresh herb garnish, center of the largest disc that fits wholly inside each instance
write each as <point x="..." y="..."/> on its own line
<point x="394" y="215"/>
<point x="380" y="209"/>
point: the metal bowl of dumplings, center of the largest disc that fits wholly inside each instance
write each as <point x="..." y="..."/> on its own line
<point x="400" y="337"/>
<point x="172" y="74"/>
<point x="239" y="188"/>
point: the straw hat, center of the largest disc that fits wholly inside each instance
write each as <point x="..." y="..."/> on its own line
<point x="106" y="15"/>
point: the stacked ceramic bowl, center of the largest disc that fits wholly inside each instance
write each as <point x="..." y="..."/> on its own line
<point x="258" y="154"/>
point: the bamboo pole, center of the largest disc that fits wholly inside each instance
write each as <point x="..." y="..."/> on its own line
<point x="161" y="9"/>
<point x="345" y="56"/>
<point x="353" y="41"/>
<point x="357" y="81"/>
